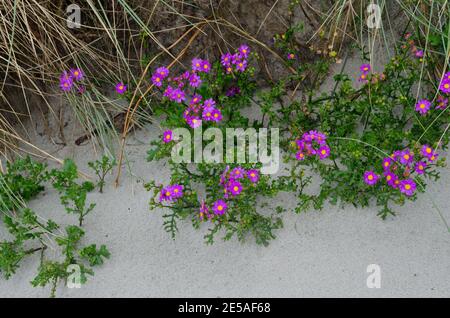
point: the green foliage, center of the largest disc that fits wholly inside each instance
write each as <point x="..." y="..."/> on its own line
<point x="101" y="168"/>
<point x="73" y="195"/>
<point x="30" y="234"/>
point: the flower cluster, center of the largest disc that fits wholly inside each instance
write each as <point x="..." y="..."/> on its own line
<point x="197" y="108"/>
<point x="171" y="192"/>
<point x="67" y="79"/>
<point x="233" y="182"/>
<point x="312" y="143"/>
<point x="398" y="167"/>
<point x="236" y="61"/>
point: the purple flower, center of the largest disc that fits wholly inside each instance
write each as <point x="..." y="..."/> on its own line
<point x="217" y="115"/>
<point x="370" y="177"/>
<point x="442" y="102"/>
<point x="420" y="167"/>
<point x="207" y="113"/>
<point x="225" y="59"/>
<point x="168" y="92"/>
<point x="77" y="74"/>
<point x="291" y="56"/>
<point x="324" y="152"/>
<point x="177" y="95"/>
<point x="365" y="68"/>
<point x="235" y="187"/>
<point x="228" y="69"/>
<point x="197" y="64"/>
<point x="194" y="80"/>
<point x="406" y="157"/>
<point x="362" y="77"/>
<point x="423" y="106"/>
<point x="204" y="210"/>
<point x="433" y="157"/>
<point x="121" y="88"/>
<point x="445" y="86"/>
<point x="157" y="80"/>
<point x="426" y="151"/>
<point x="253" y="175"/>
<point x="171" y="192"/>
<point x="237" y="173"/>
<point x="219" y="207"/>
<point x="244" y="50"/>
<point x="387" y="163"/>
<point x="65" y="76"/>
<point x="300" y="156"/>
<point x="407" y="187"/>
<point x="66" y="84"/>
<point x="391" y="179"/>
<point x="241" y="65"/>
<point x="177" y="191"/>
<point x="446" y="76"/>
<point x="162" y="71"/>
<point x="419" y="53"/>
<point x="209" y="103"/>
<point x="196" y="99"/>
<point x="205" y="67"/>
<point x="194" y="122"/>
<point x="167" y="136"/>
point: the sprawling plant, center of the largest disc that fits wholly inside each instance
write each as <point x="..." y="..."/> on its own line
<point x="31" y="234"/>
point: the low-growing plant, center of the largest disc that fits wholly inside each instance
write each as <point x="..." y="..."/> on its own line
<point x="31" y="234"/>
<point x="73" y="195"/>
<point x="379" y="130"/>
<point x="101" y="168"/>
<point x="227" y="196"/>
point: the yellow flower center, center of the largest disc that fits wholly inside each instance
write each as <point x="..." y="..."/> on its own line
<point x="244" y="51"/>
<point x="422" y="106"/>
<point x="406" y="157"/>
<point x="240" y="64"/>
<point x="388" y="177"/>
<point x="167" y="194"/>
<point x="407" y="187"/>
<point x="205" y="66"/>
<point x="220" y="208"/>
<point x="446" y="85"/>
<point x="216" y="115"/>
<point x="252" y="174"/>
<point x="386" y="164"/>
<point x="120" y="87"/>
<point x="235" y="188"/>
<point x="428" y="150"/>
<point x="323" y="152"/>
<point x="157" y="79"/>
<point x="208" y="114"/>
<point x="370" y="177"/>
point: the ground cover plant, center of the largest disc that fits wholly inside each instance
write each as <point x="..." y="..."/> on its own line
<point x="31" y="233"/>
<point x="377" y="138"/>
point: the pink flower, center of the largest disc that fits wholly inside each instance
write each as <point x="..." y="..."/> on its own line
<point x="121" y="88"/>
<point x="167" y="136"/>
<point x="420" y="167"/>
<point x="157" y="80"/>
<point x="235" y="187"/>
<point x="244" y="50"/>
<point x="162" y="71"/>
<point x="253" y="175"/>
<point x="77" y="74"/>
<point x="445" y="86"/>
<point x="407" y="187"/>
<point x="219" y="207"/>
<point x="324" y="152"/>
<point x="365" y="68"/>
<point x="423" y="106"/>
<point x="370" y="177"/>
<point x="194" y="80"/>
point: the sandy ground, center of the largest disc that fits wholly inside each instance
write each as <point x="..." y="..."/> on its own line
<point x="320" y="253"/>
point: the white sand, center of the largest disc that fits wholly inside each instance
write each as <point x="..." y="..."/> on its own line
<point x="321" y="253"/>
